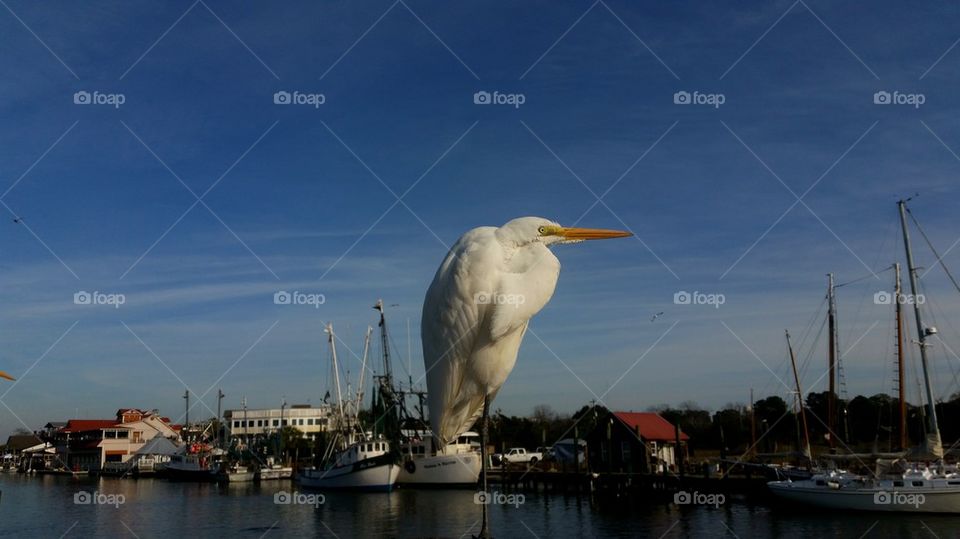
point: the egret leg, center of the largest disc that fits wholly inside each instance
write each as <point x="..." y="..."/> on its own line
<point x="484" y="432"/>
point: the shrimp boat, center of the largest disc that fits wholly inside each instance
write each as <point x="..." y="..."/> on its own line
<point x="195" y="462"/>
<point x="354" y="459"/>
<point x="912" y="487"/>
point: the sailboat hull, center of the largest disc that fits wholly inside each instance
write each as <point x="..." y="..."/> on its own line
<point x="930" y="499"/>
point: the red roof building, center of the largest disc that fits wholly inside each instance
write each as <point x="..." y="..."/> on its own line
<point x="635" y="442"/>
<point x="650" y="426"/>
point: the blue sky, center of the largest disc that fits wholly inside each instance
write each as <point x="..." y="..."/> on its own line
<point x="306" y="198"/>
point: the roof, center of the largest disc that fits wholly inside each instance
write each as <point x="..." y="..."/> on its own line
<point x="158" y="445"/>
<point x="19" y="442"/>
<point x="81" y="425"/>
<point x="650" y="425"/>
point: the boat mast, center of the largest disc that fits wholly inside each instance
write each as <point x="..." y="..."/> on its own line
<point x="803" y="413"/>
<point x="901" y="390"/>
<point x="363" y="367"/>
<point x="336" y="369"/>
<point x="832" y="361"/>
<point x="937" y="445"/>
<point x="753" y="422"/>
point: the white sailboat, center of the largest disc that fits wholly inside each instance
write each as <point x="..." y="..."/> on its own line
<point x="353" y="460"/>
<point x="915" y="488"/>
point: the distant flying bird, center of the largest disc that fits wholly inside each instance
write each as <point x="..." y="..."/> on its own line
<point x="7" y="376"/>
<point x="477" y="309"/>
<point x="17" y="220"/>
<point x="658" y="315"/>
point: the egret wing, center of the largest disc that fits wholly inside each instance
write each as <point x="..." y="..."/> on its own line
<point x="454" y="315"/>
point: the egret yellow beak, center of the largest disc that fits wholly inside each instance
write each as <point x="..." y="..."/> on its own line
<point x="7" y="376"/>
<point x="580" y="234"/>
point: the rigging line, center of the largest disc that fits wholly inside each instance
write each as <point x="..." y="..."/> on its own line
<point x="930" y="244"/>
<point x="944" y="395"/>
<point x="868" y="276"/>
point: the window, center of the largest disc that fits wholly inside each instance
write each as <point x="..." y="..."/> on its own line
<point x="259" y="422"/>
<point x="110" y="434"/>
<point x="276" y="422"/>
<point x="138" y="437"/>
<point x="236" y="424"/>
<point x="123" y="434"/>
<point x="310" y="421"/>
<point x="625" y="451"/>
<point x="284" y="422"/>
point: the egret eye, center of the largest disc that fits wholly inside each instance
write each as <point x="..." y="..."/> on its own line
<point x="542" y="230"/>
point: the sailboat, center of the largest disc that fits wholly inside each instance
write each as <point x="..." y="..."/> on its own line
<point x="354" y="459"/>
<point x="424" y="464"/>
<point x="898" y="485"/>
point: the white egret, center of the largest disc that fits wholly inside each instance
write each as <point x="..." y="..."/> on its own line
<point x="476" y="312"/>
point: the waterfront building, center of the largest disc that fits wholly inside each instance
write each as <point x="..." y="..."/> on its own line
<point x="253" y="424"/>
<point x="89" y="444"/>
<point x="636" y="442"/>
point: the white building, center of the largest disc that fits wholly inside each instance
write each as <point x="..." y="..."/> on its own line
<point x="250" y="423"/>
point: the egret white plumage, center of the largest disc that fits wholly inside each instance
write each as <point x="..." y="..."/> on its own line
<point x="476" y="312"/>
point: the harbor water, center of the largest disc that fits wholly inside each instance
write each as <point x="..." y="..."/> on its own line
<point x="61" y="506"/>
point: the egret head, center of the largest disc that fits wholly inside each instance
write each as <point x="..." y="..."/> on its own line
<point x="530" y="230"/>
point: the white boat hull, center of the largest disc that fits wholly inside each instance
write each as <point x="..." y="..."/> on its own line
<point x="381" y="477"/>
<point x="903" y="500"/>
<point x="441" y="470"/>
<point x="268" y="474"/>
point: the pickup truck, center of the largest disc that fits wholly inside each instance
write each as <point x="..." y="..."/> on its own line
<point x="520" y="455"/>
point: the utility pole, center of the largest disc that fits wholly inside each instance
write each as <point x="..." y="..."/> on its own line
<point x="186" y="424"/>
<point x="220" y="396"/>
